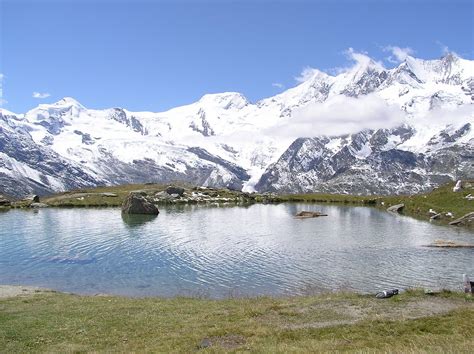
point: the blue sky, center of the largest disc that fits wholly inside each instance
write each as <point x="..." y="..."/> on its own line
<point x="154" y="55"/>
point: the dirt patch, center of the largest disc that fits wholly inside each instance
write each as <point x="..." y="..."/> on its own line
<point x="16" y="290"/>
<point x="335" y="313"/>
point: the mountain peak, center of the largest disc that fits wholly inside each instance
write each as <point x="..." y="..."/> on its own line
<point x="67" y="101"/>
<point x="450" y="57"/>
<point x="225" y="100"/>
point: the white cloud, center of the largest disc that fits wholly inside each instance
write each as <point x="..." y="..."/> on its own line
<point x="339" y="115"/>
<point x="306" y="74"/>
<point x="358" y="59"/>
<point x="40" y="95"/>
<point x="398" y="54"/>
<point x="445" y="50"/>
<point x="278" y="85"/>
<point x="447" y="115"/>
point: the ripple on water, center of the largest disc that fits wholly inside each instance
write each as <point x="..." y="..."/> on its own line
<point x="204" y="251"/>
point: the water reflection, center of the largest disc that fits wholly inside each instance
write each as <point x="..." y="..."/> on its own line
<point x="135" y="220"/>
<point x="251" y="250"/>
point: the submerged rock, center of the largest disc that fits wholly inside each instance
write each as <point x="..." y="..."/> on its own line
<point x="449" y="244"/>
<point x="138" y="204"/>
<point x="309" y="214"/>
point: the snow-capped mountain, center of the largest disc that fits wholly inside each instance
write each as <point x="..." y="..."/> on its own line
<point x="367" y="129"/>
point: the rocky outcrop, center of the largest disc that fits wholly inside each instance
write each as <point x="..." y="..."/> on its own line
<point x="465" y="220"/>
<point x="365" y="163"/>
<point x="138" y="204"/>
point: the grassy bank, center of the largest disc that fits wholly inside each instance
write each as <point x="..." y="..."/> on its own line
<point x="114" y="195"/>
<point x="442" y="200"/>
<point x="411" y="321"/>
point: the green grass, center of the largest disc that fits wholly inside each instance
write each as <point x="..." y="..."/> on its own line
<point x="442" y="200"/>
<point x="55" y="322"/>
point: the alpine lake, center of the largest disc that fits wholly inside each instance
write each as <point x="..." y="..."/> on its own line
<point x="226" y="251"/>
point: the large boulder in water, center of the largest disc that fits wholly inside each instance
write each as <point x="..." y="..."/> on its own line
<point x="138" y="204"/>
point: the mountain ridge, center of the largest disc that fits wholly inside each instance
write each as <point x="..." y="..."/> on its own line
<point x="415" y="114"/>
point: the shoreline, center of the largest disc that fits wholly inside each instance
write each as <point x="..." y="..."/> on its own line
<point x="440" y="206"/>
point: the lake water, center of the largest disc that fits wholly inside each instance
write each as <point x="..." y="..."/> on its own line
<point x="227" y="251"/>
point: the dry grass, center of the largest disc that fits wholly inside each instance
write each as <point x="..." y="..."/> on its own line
<point x="412" y="321"/>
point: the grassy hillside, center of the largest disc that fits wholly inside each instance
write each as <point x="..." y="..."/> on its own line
<point x="442" y="200"/>
<point x="412" y="321"/>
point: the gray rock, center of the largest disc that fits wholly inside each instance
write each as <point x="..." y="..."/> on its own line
<point x="31" y="198"/>
<point x="163" y="196"/>
<point x="106" y="194"/>
<point x="458" y="186"/>
<point x="4" y="201"/>
<point x="38" y="205"/>
<point x="396" y="208"/>
<point x="464" y="220"/>
<point x="138" y="204"/>
<point x="175" y="190"/>
<point x="140" y="192"/>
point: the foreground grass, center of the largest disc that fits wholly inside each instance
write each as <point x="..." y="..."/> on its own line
<point x="409" y="322"/>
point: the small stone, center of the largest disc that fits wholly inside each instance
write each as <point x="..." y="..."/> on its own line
<point x="205" y="343"/>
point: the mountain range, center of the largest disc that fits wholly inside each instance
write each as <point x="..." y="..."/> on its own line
<point x="363" y="130"/>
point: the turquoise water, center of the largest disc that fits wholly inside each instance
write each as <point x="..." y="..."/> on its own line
<point x="227" y="251"/>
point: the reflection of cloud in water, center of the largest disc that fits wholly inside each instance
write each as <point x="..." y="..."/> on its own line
<point x="258" y="249"/>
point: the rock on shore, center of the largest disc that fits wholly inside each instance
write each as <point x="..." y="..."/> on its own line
<point x="136" y="203"/>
